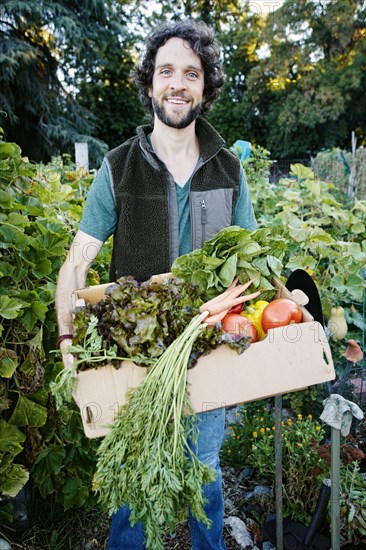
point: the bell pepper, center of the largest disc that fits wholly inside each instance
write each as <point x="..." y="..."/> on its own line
<point x="254" y="314"/>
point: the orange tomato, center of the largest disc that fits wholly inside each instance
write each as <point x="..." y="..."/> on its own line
<point x="236" y="324"/>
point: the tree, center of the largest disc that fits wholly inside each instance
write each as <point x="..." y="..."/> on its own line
<point x="43" y="45"/>
<point x="109" y="94"/>
<point x="312" y="82"/>
<point x="235" y="113"/>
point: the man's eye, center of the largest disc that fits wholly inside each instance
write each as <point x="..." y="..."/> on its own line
<point x="165" y="72"/>
<point x="192" y="75"/>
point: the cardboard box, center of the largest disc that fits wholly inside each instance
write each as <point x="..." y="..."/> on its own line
<point x="288" y="359"/>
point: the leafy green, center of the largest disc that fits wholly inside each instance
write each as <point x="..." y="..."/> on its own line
<point x="139" y="321"/>
<point x="233" y="251"/>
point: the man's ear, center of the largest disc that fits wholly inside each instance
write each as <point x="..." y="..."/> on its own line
<point x="150" y="93"/>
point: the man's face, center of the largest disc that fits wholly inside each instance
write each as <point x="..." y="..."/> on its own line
<point x="177" y="86"/>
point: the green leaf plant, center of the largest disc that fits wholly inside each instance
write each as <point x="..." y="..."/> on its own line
<point x="40" y="208"/>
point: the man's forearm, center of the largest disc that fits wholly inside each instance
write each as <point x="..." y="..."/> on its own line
<point x="72" y="276"/>
<point x="70" y="279"/>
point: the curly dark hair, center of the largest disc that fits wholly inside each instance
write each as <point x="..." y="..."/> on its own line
<point x="203" y="42"/>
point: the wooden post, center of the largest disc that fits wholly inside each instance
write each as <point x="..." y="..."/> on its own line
<point x="82" y="156"/>
<point x="352" y="183"/>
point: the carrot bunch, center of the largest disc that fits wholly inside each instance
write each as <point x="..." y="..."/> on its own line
<point x="219" y="306"/>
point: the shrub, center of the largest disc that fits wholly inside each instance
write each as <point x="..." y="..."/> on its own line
<point x="253" y="443"/>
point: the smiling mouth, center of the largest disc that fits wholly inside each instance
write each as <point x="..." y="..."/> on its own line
<point x="176" y="101"/>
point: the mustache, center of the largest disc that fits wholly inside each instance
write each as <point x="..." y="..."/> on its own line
<point x="178" y="95"/>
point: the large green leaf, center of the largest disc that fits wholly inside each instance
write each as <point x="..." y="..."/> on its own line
<point x="301" y="172"/>
<point x="53" y="243"/>
<point x="314" y="187"/>
<point x="10" y="438"/>
<point x="8" y="366"/>
<point x="28" y="413"/>
<point x="5" y="199"/>
<point x="75" y="493"/>
<point x="12" y="235"/>
<point x="34" y="313"/>
<point x="301" y="261"/>
<point x="6" y="150"/>
<point x="228" y="271"/>
<point x="43" y="268"/>
<point x="18" y="219"/>
<point x="358" y="227"/>
<point x="12" y="480"/>
<point x="47" y="466"/>
<point x="275" y="265"/>
<point x="355" y="286"/>
<point x="202" y="279"/>
<point x="6" y="269"/>
<point x="10" y="308"/>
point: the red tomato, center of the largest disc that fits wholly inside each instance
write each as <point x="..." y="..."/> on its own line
<point x="236" y="309"/>
<point x="279" y="313"/>
<point x="239" y="325"/>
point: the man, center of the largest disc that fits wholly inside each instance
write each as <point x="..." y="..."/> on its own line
<point x="161" y="194"/>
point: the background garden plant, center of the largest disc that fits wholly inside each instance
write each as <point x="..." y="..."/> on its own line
<point x="306" y="463"/>
<point x="252" y="443"/>
<point x="40" y="210"/>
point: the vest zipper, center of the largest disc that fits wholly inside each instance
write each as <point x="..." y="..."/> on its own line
<point x="203" y="219"/>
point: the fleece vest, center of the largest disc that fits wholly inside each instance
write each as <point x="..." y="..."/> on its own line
<point x="147" y="235"/>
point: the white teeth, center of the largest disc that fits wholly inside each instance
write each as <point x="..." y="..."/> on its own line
<point x="177" y="101"/>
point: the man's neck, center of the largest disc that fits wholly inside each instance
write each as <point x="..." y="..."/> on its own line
<point x="172" y="143"/>
<point x="177" y="148"/>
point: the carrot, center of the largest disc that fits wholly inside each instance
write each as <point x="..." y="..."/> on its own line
<point x="229" y="303"/>
<point x="231" y="292"/>
<point x="221" y="296"/>
<point x="213" y="319"/>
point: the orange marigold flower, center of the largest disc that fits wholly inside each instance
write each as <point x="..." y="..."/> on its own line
<point x="289" y="421"/>
<point x="299" y="416"/>
<point x="255" y="434"/>
<point x="262" y="430"/>
<point x="318" y="428"/>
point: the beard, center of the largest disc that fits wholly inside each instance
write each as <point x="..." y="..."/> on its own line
<point x="175" y="121"/>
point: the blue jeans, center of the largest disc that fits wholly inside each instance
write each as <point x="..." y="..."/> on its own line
<point x="124" y="537"/>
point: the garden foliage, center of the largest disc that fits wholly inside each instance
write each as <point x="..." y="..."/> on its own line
<point x="40" y="208"/>
<point x="305" y="460"/>
<point x="39" y="212"/>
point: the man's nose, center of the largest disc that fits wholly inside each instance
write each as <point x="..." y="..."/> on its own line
<point x="178" y="82"/>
